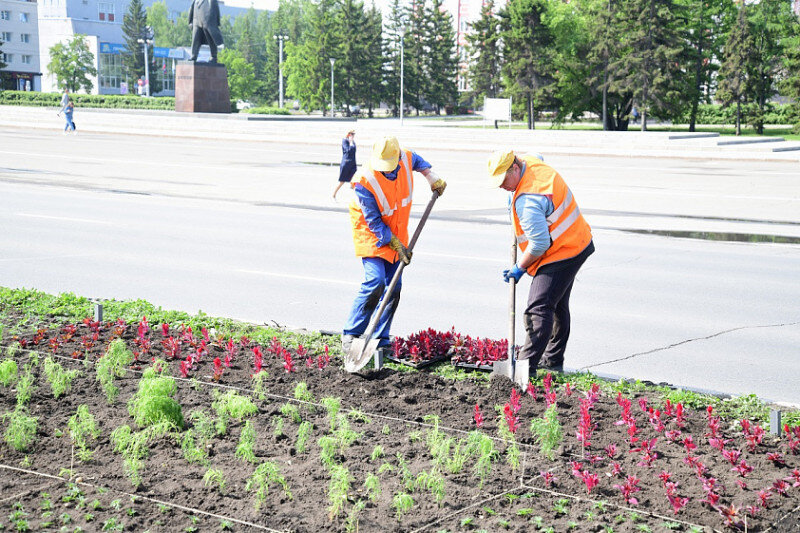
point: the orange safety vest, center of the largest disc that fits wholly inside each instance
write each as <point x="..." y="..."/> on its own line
<point x="394" y="201"/>
<point x="570" y="234"/>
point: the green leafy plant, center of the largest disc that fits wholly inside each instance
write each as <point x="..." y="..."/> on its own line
<point x="60" y="379"/>
<point x="215" y="478"/>
<point x="386" y="430"/>
<point x="357" y="415"/>
<point x="277" y="423"/>
<point x="113" y="365"/>
<point x="561" y="506"/>
<point x="351" y="523"/>
<point x="8" y="372"/>
<point x="247" y="440"/>
<point x="266" y="474"/>
<point x="153" y="402"/>
<point x="547" y="432"/>
<point x="259" y="389"/>
<point x="21" y="431"/>
<point x="192" y="452"/>
<point x="24" y="388"/>
<point x="82" y="429"/>
<point x="433" y="482"/>
<point x="301" y="393"/>
<point x="402" y="503"/>
<point x="338" y="489"/>
<point x="377" y="452"/>
<point x="231" y="405"/>
<point x="332" y="406"/>
<point x="303" y="434"/>
<point x="133" y="448"/>
<point x="290" y="411"/>
<point x="372" y="484"/>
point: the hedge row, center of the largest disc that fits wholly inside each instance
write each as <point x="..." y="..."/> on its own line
<point x="31" y="98"/>
<point x="716" y="114"/>
<point x="266" y="111"/>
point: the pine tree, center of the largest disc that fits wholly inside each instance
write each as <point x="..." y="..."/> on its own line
<point x="416" y="58"/>
<point x="651" y="71"/>
<point x="374" y="88"/>
<point x="441" y="87"/>
<point x="394" y="31"/>
<point x="528" y="55"/>
<point x="134" y="27"/>
<point x="790" y="84"/>
<point x="484" y="54"/>
<point x="351" y="82"/>
<point x="737" y="66"/>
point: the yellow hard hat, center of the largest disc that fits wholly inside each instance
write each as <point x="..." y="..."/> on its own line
<point x="499" y="163"/>
<point x="385" y="154"/>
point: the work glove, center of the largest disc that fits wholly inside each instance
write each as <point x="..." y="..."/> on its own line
<point x="514" y="272"/>
<point x="437" y="184"/>
<point x="403" y="252"/>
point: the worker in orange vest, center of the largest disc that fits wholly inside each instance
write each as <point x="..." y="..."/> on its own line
<point x="379" y="216"/>
<point x="555" y="241"/>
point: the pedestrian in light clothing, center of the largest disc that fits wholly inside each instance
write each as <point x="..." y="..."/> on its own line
<point x="64" y="101"/>
<point x="348" y="165"/>
<point x="379" y="216"/>
<point x="555" y="241"/>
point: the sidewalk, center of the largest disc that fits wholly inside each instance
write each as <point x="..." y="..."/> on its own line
<point x="326" y="132"/>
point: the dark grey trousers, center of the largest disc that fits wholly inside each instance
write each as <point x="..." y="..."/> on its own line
<point x="547" y="317"/>
<point x="202" y="36"/>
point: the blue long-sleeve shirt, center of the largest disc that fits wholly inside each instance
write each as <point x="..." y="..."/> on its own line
<point x="369" y="205"/>
<point x="533" y="210"/>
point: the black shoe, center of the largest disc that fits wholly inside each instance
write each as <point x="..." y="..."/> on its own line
<point x="552" y="368"/>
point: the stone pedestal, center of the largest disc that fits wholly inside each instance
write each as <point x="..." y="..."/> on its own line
<point x="202" y="88"/>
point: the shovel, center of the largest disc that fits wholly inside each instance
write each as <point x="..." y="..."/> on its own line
<point x="363" y="347"/>
<point x="516" y="371"/>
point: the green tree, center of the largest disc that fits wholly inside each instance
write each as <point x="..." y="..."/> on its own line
<point x="241" y="74"/>
<point x="483" y="49"/>
<point x="353" y="56"/>
<point x="415" y="54"/>
<point x="790" y="84"/>
<point x="287" y="21"/>
<point x="651" y="70"/>
<point x="134" y="27"/>
<point x="169" y="33"/>
<point x="72" y="64"/>
<point x="528" y="55"/>
<point x="374" y="89"/>
<point x="394" y="32"/>
<point x="441" y="87"/>
<point x="738" y="65"/>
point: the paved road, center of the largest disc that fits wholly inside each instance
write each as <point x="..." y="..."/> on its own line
<point x="131" y="217"/>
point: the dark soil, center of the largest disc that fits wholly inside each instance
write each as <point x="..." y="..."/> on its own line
<point x="395" y="404"/>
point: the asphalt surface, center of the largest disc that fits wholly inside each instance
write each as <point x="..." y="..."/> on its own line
<point x="247" y="230"/>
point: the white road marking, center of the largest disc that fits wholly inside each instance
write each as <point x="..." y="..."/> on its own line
<point x="45" y="257"/>
<point x="66" y="219"/>
<point x="295" y="276"/>
<point x="464" y="257"/>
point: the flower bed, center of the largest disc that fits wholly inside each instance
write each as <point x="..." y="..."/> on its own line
<point x="277" y="435"/>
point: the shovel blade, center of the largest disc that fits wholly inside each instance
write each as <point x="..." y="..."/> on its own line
<point x="502" y="368"/>
<point x="522" y="374"/>
<point x="359" y="354"/>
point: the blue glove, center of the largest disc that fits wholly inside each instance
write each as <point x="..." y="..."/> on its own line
<point x="515" y="272"/>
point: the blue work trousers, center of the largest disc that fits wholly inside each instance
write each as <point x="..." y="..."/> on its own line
<point x="377" y="275"/>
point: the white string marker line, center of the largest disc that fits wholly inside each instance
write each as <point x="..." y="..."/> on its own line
<point x="251" y="392"/>
<point x="66" y="219"/>
<point x="295" y="276"/>
<point x="621" y="507"/>
<point x="141" y="497"/>
<point x="781" y="519"/>
<point x="465" y="509"/>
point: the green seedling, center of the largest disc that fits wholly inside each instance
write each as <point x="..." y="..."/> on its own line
<point x="224" y="525"/>
<point x="133" y="448"/>
<point x="351" y="523"/>
<point x="505" y="524"/>
<point x="203" y="426"/>
<point x="386" y="430"/>
<point x="153" y="402"/>
<point x="385" y="467"/>
<point x="675" y="526"/>
<point x="402" y="503"/>
<point x="82" y="429"/>
<point x="357" y="415"/>
<point x="433" y="482"/>
<point x="561" y="506"/>
<point x="65" y="518"/>
<point x="527" y="511"/>
<point x="338" y="489"/>
<point x="303" y="434"/>
<point x="414" y="436"/>
<point x="215" y="478"/>
<point x="547" y="432"/>
<point x="332" y="407"/>
<point x="302" y="393"/>
<point x="113" y="365"/>
<point x="511" y="498"/>
<point x="192" y="452"/>
<point x="231" y="405"/>
<point x="259" y="389"/>
<point x="95" y="505"/>
<point x="572" y="524"/>
<point x="377" y="452"/>
<point x="373" y="487"/>
<point x="266" y="474"/>
<point x="163" y="509"/>
<point x="538" y="521"/>
<point x="290" y="411"/>
<point x="24" y="388"/>
<point x="21" y="431"/>
<point x="88" y="517"/>
<point x="112" y="524"/>
<point x="8" y="372"/>
<point x="489" y="511"/>
<point x="116" y="505"/>
<point x="644" y="527"/>
<point x="26" y="461"/>
<point x="247" y="441"/>
<point x="600" y="506"/>
<point x="60" y="379"/>
<point x="467" y="522"/>
<point x="277" y="431"/>
<point x="589" y="516"/>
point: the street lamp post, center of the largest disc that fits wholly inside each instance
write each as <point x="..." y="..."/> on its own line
<point x="402" y="38"/>
<point x="280" y="38"/>
<point x="333" y="60"/>
<point x="146" y="40"/>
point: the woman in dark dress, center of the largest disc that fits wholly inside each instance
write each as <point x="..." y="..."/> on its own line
<point x="348" y="165"/>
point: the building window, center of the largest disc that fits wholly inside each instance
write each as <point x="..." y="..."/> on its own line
<point x="5" y="15"/>
<point x="26" y="60"/>
<point x="105" y="11"/>
<point x="110" y="73"/>
<point x="6" y="36"/>
<point x="23" y="17"/>
<point x="25" y="37"/>
<point x="164" y="70"/>
<point x="7" y="58"/>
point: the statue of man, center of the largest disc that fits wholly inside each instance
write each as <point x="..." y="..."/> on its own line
<point x="204" y="19"/>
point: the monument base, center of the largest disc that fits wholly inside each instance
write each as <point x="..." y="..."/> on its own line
<point x="202" y="88"/>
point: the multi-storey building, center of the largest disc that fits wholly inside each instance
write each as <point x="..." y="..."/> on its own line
<point x="101" y="22"/>
<point x="19" y="31"/>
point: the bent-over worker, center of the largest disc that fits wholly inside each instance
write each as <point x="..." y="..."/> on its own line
<point x="555" y="241"/>
<point x="379" y="215"/>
